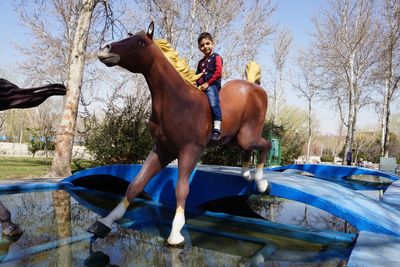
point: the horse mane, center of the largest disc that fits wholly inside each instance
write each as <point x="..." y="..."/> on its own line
<point x="180" y="64"/>
<point x="253" y="72"/>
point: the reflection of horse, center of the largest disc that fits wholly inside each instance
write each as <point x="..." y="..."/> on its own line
<point x="180" y="122"/>
<point x="11" y="96"/>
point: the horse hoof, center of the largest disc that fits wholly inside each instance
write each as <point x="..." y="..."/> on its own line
<point x="262" y="185"/>
<point x="179" y="245"/>
<point x="99" y="229"/>
<point x="176" y="241"/>
<point x="247" y="175"/>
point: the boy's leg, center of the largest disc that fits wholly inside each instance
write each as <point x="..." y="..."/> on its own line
<point x="213" y="98"/>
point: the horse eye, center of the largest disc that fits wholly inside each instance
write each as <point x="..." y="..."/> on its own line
<point x="142" y="43"/>
<point x="130" y="34"/>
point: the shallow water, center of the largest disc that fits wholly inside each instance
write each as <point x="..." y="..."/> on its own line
<point x="55" y="234"/>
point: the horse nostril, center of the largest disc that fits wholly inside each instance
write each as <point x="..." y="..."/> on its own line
<point x="105" y="48"/>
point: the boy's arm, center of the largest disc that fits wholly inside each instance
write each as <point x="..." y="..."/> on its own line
<point x="218" y="70"/>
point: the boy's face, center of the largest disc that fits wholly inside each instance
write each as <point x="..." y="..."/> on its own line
<point x="206" y="46"/>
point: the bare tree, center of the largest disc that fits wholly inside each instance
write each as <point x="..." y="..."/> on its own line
<point x="279" y="58"/>
<point x="65" y="136"/>
<point x="345" y="41"/>
<point x="61" y="55"/>
<point x="308" y="89"/>
<point x="44" y="119"/>
<point x="389" y="64"/>
<point x="239" y="28"/>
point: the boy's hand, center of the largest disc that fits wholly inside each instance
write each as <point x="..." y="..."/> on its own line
<point x="204" y="86"/>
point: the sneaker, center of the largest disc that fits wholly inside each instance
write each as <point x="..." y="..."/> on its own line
<point x="216" y="135"/>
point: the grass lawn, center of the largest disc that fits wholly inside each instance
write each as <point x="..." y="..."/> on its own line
<point x="21" y="167"/>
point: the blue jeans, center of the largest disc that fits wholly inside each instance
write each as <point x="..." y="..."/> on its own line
<point x="213" y="98"/>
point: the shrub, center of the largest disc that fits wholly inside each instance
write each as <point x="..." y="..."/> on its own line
<point x="122" y="136"/>
<point x="40" y="141"/>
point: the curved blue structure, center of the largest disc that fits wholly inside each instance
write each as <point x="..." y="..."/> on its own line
<point x="378" y="221"/>
<point x="343" y="175"/>
<point x="211" y="183"/>
<point x="335" y="171"/>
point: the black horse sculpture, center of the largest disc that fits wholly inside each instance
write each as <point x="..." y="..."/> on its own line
<point x="11" y="96"/>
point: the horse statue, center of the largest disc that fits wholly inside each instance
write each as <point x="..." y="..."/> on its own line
<point x="180" y="121"/>
<point x="11" y="96"/>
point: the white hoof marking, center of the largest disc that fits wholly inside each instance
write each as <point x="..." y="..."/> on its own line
<point x="261" y="182"/>
<point x="175" y="239"/>
<point x="247" y="175"/>
<point x="175" y="236"/>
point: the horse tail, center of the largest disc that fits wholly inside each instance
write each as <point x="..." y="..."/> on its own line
<point x="253" y="72"/>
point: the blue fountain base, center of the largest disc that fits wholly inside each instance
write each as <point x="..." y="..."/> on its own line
<point x="377" y="221"/>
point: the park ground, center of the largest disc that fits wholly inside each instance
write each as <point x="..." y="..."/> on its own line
<point x="14" y="167"/>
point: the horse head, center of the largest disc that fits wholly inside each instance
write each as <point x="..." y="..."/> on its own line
<point x="132" y="53"/>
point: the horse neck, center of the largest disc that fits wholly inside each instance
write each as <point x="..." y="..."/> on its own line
<point x="163" y="80"/>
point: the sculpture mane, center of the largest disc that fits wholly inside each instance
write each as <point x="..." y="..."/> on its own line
<point x="179" y="64"/>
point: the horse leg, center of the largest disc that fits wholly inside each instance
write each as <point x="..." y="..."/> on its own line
<point x="246" y="165"/>
<point x="187" y="160"/>
<point x="263" y="147"/>
<point x="155" y="162"/>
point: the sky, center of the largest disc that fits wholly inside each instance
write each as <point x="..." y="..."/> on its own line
<point x="292" y="14"/>
<point x="296" y="16"/>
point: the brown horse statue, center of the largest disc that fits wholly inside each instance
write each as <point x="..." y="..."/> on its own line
<point x="11" y="96"/>
<point x="180" y="121"/>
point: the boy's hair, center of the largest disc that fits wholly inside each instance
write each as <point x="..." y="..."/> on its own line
<point x="204" y="35"/>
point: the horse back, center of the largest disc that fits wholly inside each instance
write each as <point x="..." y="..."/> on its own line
<point x="244" y="105"/>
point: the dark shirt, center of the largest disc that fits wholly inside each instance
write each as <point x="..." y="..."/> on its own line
<point x="212" y="69"/>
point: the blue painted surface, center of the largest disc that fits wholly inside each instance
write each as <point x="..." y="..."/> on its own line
<point x="392" y="195"/>
<point x="336" y="171"/>
<point x="342" y="175"/>
<point x="374" y="249"/>
<point x="203" y="186"/>
<point x="29" y="187"/>
<point x="378" y="221"/>
<point x="210" y="183"/>
<point x="150" y="212"/>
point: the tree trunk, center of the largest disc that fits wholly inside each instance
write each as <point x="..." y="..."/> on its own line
<point x="309" y="131"/>
<point x="385" y="121"/>
<point x="61" y="166"/>
<point x="351" y="120"/>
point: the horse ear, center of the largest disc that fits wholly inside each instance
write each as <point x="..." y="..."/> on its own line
<point x="150" y="30"/>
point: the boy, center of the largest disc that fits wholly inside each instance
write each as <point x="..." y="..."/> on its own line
<point x="211" y="67"/>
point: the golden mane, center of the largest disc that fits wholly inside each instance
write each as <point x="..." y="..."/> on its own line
<point x="179" y="64"/>
<point x="253" y="72"/>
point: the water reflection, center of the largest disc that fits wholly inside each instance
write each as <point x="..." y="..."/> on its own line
<point x="9" y="228"/>
<point x="56" y="235"/>
<point x="289" y="212"/>
<point x="62" y="209"/>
